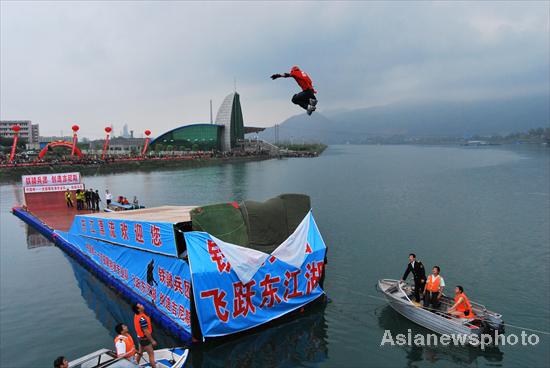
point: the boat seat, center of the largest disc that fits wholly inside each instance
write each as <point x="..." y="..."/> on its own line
<point x="179" y="352"/>
<point x="162" y="362"/>
<point x="392" y="289"/>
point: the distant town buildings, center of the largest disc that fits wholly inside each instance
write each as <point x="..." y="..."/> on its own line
<point x="121" y="145"/>
<point x="29" y="131"/>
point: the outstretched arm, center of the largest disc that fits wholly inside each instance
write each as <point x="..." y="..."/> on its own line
<point x="284" y="75"/>
<point x="407" y="271"/>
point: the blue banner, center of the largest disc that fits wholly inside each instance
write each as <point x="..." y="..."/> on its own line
<point x="164" y="280"/>
<point x="155" y="237"/>
<point x="227" y="301"/>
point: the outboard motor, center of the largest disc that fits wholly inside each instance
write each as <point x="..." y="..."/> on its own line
<point x="491" y="323"/>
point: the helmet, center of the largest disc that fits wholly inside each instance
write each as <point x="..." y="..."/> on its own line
<point x="294" y="68"/>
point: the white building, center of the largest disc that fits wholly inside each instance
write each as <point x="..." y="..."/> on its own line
<point x="28" y="132"/>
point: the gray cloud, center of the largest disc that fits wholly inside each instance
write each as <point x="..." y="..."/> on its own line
<point x="156" y="64"/>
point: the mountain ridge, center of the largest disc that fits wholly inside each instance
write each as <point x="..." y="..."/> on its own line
<point x="419" y="119"/>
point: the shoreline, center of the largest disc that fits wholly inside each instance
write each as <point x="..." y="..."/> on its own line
<point x="13" y="174"/>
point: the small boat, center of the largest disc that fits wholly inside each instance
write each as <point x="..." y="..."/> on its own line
<point x="117" y="206"/>
<point x="165" y="358"/>
<point x="399" y="294"/>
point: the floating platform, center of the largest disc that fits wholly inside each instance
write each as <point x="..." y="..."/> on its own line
<point x="54" y="220"/>
<point x="193" y="284"/>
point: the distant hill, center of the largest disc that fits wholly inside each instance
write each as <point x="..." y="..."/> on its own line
<point x="425" y="119"/>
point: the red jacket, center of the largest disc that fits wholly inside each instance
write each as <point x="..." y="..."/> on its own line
<point x="303" y="80"/>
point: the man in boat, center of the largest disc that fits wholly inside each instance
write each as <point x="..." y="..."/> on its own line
<point x="434" y="289"/>
<point x="124" y="343"/>
<point x="61" y="362"/>
<point x="462" y="307"/>
<point x="305" y="99"/>
<point x="144" y="330"/>
<point x="419" y="275"/>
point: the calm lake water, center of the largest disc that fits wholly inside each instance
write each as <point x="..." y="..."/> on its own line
<point x="482" y="214"/>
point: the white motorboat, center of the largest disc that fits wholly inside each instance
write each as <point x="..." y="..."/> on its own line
<point x="165" y="358"/>
<point x="399" y="294"/>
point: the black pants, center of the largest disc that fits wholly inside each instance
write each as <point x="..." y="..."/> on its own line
<point x="302" y="98"/>
<point x="418" y="289"/>
<point x="431" y="301"/>
<point x="69" y="202"/>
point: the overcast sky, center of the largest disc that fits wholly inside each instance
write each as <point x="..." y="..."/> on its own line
<point x="156" y="65"/>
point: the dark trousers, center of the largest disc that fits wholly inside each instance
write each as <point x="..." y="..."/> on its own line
<point x="96" y="205"/>
<point x="302" y="98"/>
<point x="430" y="300"/>
<point x="69" y="202"/>
<point x="418" y="289"/>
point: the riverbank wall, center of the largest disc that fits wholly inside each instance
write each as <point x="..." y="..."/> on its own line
<point x="14" y="172"/>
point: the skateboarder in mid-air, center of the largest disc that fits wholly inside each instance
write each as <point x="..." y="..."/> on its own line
<point x="306" y="99"/>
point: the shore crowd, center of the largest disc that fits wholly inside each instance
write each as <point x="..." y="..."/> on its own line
<point x="89" y="200"/>
<point x="29" y="160"/>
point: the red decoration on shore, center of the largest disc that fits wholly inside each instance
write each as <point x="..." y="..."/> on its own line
<point x="147" y="133"/>
<point x="75" y="138"/>
<point x="16" y="128"/>
<point x="106" y="144"/>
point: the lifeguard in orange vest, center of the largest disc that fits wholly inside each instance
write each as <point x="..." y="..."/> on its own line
<point x="144" y="330"/>
<point x="434" y="289"/>
<point x="124" y="343"/>
<point x="462" y="307"/>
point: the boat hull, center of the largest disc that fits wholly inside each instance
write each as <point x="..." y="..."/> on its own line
<point x="428" y="319"/>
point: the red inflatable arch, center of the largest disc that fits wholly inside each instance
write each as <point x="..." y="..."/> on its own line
<point x="65" y="144"/>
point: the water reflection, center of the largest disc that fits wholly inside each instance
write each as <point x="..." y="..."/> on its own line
<point x="296" y="341"/>
<point x="388" y="319"/>
<point x="235" y="180"/>
<point x="35" y="239"/>
<point x="300" y="340"/>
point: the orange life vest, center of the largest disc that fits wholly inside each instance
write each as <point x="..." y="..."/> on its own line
<point x="433" y="283"/>
<point x="137" y="326"/>
<point x="129" y="342"/>
<point x="464" y="306"/>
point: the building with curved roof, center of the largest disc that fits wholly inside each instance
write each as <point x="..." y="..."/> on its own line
<point x="223" y="135"/>
<point x="194" y="137"/>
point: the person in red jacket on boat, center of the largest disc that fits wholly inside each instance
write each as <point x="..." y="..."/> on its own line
<point x="305" y="99"/>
